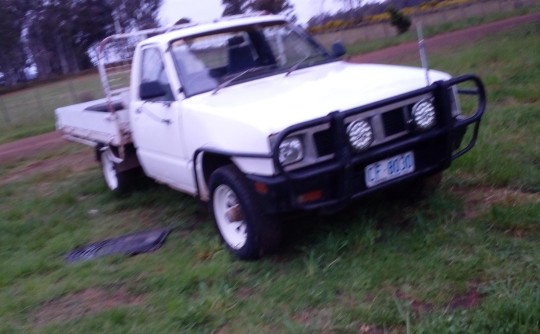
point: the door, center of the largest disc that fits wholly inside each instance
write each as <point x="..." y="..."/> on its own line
<point x="156" y="123"/>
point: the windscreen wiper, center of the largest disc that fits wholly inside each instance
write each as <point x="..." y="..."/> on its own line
<point x="238" y="76"/>
<point x="300" y="62"/>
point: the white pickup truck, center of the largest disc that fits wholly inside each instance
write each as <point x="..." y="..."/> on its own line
<point x="253" y="116"/>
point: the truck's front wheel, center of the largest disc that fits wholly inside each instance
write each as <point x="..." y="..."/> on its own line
<point x="116" y="181"/>
<point x="247" y="232"/>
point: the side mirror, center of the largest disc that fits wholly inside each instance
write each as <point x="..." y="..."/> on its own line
<point x="338" y="50"/>
<point x="151" y="90"/>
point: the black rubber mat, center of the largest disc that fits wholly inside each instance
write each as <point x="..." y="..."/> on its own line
<point x="131" y="244"/>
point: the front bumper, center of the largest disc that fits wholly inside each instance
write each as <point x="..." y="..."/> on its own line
<point x="336" y="182"/>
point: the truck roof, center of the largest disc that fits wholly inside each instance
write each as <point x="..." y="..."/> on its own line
<point x="221" y="24"/>
<point x="115" y="53"/>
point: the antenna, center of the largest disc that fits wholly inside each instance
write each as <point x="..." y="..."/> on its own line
<point x="422" y="50"/>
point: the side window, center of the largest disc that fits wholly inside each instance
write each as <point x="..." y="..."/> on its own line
<point x="153" y="69"/>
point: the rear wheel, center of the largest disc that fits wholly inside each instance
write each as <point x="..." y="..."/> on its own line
<point x="117" y="181"/>
<point x="246" y="231"/>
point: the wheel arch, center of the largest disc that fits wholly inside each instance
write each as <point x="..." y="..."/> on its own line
<point x="208" y="163"/>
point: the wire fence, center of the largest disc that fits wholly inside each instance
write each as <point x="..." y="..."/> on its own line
<point x="34" y="107"/>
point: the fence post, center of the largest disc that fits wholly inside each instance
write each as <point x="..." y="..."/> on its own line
<point x="38" y="100"/>
<point x="71" y="88"/>
<point x="386" y="27"/>
<point x="5" y="112"/>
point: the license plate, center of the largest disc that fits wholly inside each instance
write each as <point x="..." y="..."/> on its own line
<point x="388" y="169"/>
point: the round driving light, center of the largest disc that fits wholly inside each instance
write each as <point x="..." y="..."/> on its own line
<point x="423" y="114"/>
<point x="360" y="135"/>
<point x="291" y="150"/>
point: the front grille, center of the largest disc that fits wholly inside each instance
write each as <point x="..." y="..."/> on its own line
<point x="324" y="142"/>
<point x="387" y="125"/>
<point x="393" y="122"/>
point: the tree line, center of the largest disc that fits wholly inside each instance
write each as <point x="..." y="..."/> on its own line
<point x="235" y="7"/>
<point x="54" y="36"/>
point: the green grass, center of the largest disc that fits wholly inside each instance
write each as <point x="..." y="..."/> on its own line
<point x="508" y="154"/>
<point x="430" y="31"/>
<point x="465" y="260"/>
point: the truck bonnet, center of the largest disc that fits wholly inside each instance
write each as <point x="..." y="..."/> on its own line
<point x="274" y="103"/>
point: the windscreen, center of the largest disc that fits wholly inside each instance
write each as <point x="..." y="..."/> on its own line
<point x="207" y="61"/>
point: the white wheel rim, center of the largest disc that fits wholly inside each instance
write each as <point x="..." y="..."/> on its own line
<point x="109" y="172"/>
<point x="233" y="231"/>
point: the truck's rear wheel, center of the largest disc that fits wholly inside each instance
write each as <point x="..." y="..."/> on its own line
<point x="245" y="230"/>
<point x="115" y="180"/>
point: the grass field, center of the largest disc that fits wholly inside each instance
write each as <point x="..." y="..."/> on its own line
<point x="466" y="260"/>
<point x="430" y="31"/>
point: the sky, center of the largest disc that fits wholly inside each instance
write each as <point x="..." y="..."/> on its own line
<point x="208" y="10"/>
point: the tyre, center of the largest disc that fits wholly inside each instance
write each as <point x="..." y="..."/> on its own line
<point x="116" y="181"/>
<point x="246" y="231"/>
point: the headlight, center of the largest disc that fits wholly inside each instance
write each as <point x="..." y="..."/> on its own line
<point x="423" y="114"/>
<point x="360" y="135"/>
<point x="291" y="150"/>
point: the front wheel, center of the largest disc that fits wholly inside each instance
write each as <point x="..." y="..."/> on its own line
<point x="246" y="231"/>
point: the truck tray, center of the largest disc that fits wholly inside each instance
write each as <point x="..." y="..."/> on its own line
<point x="92" y="123"/>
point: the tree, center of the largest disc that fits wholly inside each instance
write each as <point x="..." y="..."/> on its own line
<point x="234" y="7"/>
<point x="350" y="4"/>
<point x="272" y="6"/>
<point x="130" y="15"/>
<point x="401" y="22"/>
<point x="12" y="57"/>
<point x="59" y="34"/>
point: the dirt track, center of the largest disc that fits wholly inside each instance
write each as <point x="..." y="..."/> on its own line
<point x="27" y="147"/>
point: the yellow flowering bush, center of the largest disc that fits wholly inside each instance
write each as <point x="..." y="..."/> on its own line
<point x="426" y="7"/>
